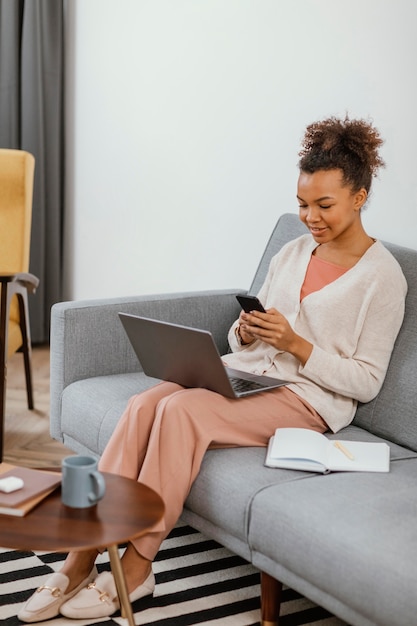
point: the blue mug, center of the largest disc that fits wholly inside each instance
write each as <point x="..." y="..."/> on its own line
<point x="82" y="484"/>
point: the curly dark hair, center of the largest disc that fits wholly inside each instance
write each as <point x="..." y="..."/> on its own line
<point x="349" y="145"/>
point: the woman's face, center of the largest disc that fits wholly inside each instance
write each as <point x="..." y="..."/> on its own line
<point x="329" y="209"/>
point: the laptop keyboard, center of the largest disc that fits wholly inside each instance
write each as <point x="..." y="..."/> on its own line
<point x="240" y="385"/>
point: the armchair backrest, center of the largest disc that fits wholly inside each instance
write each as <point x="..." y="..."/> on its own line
<point x="16" y="191"/>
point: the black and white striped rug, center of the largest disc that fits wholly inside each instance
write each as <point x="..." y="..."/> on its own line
<point x="198" y="582"/>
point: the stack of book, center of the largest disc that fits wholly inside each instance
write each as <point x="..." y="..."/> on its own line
<point x="37" y="484"/>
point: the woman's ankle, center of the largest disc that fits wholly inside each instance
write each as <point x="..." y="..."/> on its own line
<point x="77" y="566"/>
<point x="136" y="568"/>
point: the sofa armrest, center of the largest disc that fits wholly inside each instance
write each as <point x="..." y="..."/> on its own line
<point x="88" y="339"/>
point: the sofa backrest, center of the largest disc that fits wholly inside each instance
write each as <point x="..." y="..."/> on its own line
<point x="393" y="413"/>
<point x="288" y="227"/>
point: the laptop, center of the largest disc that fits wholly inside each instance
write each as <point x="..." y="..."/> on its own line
<point x="189" y="357"/>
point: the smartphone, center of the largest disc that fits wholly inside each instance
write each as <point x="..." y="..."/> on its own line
<point x="250" y="303"/>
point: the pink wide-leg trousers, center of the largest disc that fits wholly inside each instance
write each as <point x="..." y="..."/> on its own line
<point x="165" y="431"/>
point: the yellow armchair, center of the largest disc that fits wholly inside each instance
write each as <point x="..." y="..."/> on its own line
<point x="16" y="193"/>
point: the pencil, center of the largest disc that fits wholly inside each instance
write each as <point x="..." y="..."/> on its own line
<point x="344" y="450"/>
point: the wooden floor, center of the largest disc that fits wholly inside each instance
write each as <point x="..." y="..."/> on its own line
<point x="27" y="439"/>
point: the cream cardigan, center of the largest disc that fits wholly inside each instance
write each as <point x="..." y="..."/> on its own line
<point x="352" y="324"/>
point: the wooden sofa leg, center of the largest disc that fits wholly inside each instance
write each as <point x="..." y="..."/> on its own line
<point x="270" y="600"/>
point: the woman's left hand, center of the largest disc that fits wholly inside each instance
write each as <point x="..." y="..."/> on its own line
<point x="273" y="328"/>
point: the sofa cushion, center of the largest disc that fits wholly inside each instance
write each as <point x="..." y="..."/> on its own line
<point x="221" y="496"/>
<point x="331" y="530"/>
<point x="237" y="475"/>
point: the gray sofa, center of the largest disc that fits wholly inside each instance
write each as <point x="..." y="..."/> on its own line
<point x="347" y="541"/>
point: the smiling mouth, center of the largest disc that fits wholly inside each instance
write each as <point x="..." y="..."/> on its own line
<point x="316" y="231"/>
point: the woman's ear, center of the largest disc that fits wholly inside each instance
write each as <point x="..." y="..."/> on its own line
<point x="360" y="198"/>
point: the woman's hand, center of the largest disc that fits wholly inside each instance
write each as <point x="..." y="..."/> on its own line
<point x="245" y="337"/>
<point x="273" y="328"/>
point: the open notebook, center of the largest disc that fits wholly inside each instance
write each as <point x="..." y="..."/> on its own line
<point x="308" y="450"/>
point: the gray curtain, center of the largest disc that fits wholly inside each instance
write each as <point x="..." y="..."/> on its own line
<point x="31" y="118"/>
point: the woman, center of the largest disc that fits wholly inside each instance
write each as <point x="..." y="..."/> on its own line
<point x="334" y="303"/>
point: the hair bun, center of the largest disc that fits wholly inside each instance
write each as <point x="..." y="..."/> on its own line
<point x="349" y="145"/>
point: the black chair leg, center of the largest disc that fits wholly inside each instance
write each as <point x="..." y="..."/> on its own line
<point x="8" y="289"/>
<point x="26" y="346"/>
<point x="2" y="406"/>
<point x="3" y="361"/>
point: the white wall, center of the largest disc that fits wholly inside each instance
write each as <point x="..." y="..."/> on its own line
<point x="184" y="124"/>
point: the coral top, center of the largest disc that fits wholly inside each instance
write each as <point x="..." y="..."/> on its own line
<point x="319" y="274"/>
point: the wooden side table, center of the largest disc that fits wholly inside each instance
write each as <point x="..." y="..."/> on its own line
<point x="127" y="510"/>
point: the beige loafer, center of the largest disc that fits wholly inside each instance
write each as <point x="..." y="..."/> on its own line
<point x="99" y="598"/>
<point x="47" y="600"/>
